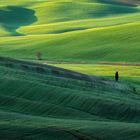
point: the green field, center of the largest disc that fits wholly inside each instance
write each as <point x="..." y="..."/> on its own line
<point x="128" y="73"/>
<point x="94" y="39"/>
<point x="103" y="70"/>
<point x="42" y="102"/>
<point x="82" y="30"/>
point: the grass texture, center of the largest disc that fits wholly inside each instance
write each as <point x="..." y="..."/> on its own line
<point x="82" y="30"/>
<point x="44" y="102"/>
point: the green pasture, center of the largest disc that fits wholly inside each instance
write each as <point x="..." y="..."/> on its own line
<point x="41" y="102"/>
<point x="104" y="70"/>
<point x="127" y="73"/>
<point x="83" y="30"/>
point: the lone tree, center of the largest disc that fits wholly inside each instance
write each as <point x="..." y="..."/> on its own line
<point x="39" y="55"/>
<point x="117" y="76"/>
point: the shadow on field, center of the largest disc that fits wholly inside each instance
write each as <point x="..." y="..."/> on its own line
<point x="121" y="2"/>
<point x="13" y="17"/>
<point x="113" y="10"/>
<point x="67" y="30"/>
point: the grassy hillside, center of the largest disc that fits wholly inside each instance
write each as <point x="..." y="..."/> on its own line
<point x="44" y="102"/>
<point x="128" y="74"/>
<point x="89" y="30"/>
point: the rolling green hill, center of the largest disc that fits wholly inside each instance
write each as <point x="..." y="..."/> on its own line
<point x="89" y="30"/>
<point x="43" y="102"/>
<point x="39" y="102"/>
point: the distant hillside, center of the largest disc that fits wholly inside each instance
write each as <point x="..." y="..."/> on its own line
<point x="90" y="30"/>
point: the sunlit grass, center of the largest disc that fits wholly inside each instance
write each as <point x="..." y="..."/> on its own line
<point x="103" y="70"/>
<point x="73" y="34"/>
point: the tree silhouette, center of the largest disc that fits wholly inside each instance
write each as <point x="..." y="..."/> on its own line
<point x="39" y="55"/>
